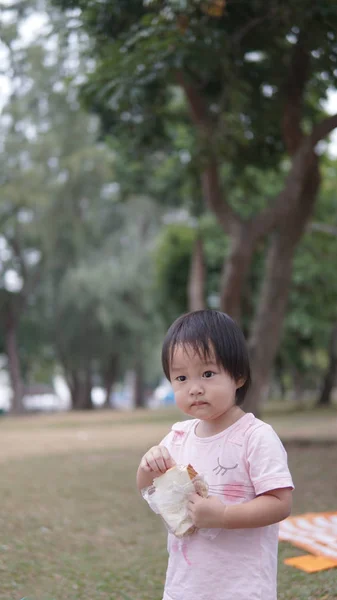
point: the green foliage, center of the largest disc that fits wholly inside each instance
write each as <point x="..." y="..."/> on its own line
<point x="142" y="50"/>
<point x="105" y="300"/>
<point x="173" y="260"/>
<point x="312" y="304"/>
<point x="88" y="291"/>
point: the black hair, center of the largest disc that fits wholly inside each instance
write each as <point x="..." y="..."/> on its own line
<point x="210" y="332"/>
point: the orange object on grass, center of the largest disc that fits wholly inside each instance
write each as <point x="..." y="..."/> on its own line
<point x="316" y="533"/>
<point x="311" y="564"/>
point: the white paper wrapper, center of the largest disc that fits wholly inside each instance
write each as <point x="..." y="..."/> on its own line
<point x="170" y="500"/>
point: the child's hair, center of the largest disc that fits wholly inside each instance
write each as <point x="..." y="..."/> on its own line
<point x="210" y="332"/>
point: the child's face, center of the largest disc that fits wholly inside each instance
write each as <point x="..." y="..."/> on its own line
<point x="202" y="389"/>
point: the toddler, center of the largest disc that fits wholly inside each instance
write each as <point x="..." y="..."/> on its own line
<point x="243" y="461"/>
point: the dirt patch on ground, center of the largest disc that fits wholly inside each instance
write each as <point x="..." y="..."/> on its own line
<point x="306" y="427"/>
<point x="67" y="432"/>
<point x="19" y="444"/>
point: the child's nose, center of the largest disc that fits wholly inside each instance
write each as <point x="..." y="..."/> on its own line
<point x="196" y="388"/>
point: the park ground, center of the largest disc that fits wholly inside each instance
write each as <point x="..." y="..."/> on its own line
<point x="73" y="526"/>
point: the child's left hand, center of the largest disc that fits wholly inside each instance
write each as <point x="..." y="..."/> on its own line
<point x="206" y="512"/>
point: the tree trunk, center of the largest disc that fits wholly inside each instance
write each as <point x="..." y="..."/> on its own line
<point x="267" y="326"/>
<point x="196" y="283"/>
<point x="81" y="390"/>
<point x="108" y="385"/>
<point x="12" y="352"/>
<point x="266" y="329"/>
<point x="235" y="271"/>
<point x="331" y="374"/>
<point x="298" y="389"/>
<point x="139" y="391"/>
<point x="109" y="380"/>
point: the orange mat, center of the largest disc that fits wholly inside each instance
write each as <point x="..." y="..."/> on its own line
<point x="316" y="533"/>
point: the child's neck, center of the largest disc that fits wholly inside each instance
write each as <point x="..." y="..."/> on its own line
<point x="209" y="428"/>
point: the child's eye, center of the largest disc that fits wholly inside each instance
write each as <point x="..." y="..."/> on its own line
<point x="181" y="378"/>
<point x="208" y="374"/>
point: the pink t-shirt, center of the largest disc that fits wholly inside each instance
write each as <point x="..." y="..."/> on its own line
<point x="245" y="460"/>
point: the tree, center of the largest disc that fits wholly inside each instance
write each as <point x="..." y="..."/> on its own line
<point x="21" y="209"/>
<point x="302" y="360"/>
<point x="105" y="309"/>
<point x="53" y="173"/>
<point x="252" y="80"/>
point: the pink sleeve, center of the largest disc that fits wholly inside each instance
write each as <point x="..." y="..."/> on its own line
<point x="167" y="440"/>
<point x="267" y="461"/>
<point x="175" y="439"/>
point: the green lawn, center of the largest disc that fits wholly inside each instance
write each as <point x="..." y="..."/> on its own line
<point x="73" y="526"/>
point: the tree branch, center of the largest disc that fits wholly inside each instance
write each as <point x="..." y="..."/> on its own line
<point x="294" y="89"/>
<point x="213" y="194"/>
<point x="14" y="242"/>
<point x="251" y="25"/>
<point x="301" y="165"/>
<point x="196" y="103"/>
<point x="322" y="129"/>
<point x="214" y="198"/>
<point x="279" y="208"/>
<point x="302" y="149"/>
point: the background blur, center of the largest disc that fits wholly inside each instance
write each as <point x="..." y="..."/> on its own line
<point x="158" y="156"/>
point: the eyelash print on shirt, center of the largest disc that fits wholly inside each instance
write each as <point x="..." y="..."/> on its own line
<point x="220" y="470"/>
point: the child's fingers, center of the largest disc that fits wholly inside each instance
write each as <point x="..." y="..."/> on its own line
<point x="152" y="461"/>
<point x="169" y="462"/>
<point x="158" y="459"/>
<point x="144" y="465"/>
<point x="163" y="459"/>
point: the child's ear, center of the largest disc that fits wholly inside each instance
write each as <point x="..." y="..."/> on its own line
<point x="240" y="382"/>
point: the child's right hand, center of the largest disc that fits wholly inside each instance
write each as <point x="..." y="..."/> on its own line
<point x="157" y="460"/>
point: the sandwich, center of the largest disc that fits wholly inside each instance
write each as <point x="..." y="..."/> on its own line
<point x="171" y="491"/>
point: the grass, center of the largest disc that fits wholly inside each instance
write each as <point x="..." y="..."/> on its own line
<point x="73" y="527"/>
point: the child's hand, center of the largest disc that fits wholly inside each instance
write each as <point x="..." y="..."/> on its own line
<point x="157" y="459"/>
<point x="206" y="512"/>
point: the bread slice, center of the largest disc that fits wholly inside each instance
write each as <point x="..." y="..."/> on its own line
<point x="192" y="472"/>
